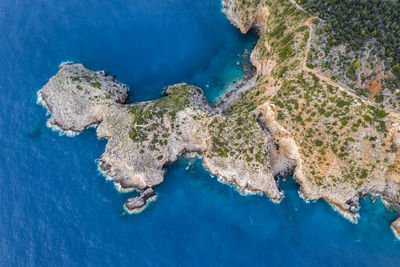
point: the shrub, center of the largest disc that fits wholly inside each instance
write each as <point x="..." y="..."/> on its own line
<point x="96" y="85"/>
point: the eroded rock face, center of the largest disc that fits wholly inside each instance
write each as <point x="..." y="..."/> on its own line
<point x="244" y="14"/>
<point x="136" y="204"/>
<point x="396" y="228"/>
<point x="342" y="146"/>
<point x="143" y="137"/>
<point x="83" y="96"/>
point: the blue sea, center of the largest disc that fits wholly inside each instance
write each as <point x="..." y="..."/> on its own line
<point x="56" y="209"/>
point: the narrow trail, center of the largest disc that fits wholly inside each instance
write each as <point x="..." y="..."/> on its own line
<point x="324" y="78"/>
<point x="248" y="83"/>
<point x="340" y="86"/>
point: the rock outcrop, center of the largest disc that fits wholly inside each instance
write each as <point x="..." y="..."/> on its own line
<point x="136" y="204"/>
<point x="396" y="228"/>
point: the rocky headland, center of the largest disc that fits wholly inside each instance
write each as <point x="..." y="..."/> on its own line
<point x="288" y="119"/>
<point x="143" y="137"/>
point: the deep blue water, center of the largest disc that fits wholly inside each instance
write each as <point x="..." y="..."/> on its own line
<point x="57" y="210"/>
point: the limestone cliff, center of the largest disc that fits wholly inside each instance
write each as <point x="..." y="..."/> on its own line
<point x="342" y="147"/>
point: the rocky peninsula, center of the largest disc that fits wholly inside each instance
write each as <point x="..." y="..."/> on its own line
<point x="143" y="137"/>
<point x="288" y="119"/>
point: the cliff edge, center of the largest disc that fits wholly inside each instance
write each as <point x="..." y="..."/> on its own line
<point x="342" y="146"/>
<point x="289" y="118"/>
<point x="143" y="137"/>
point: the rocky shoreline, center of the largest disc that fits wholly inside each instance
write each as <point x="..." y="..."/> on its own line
<point x="143" y="137"/>
<point x="280" y="120"/>
<point x="137" y="204"/>
<point x="341" y="177"/>
<point x="232" y="95"/>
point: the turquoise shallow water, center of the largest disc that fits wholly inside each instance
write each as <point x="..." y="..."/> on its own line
<point x="57" y="210"/>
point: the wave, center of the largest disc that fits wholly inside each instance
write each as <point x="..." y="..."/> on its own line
<point x="137" y="211"/>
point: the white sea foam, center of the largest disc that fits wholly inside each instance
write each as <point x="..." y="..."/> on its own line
<point x="396" y="233"/>
<point x="103" y="173"/>
<point x="385" y="203"/>
<point x="117" y="186"/>
<point x="137" y="211"/>
<point x="39" y="100"/>
<point x="347" y="215"/>
<point x="124" y="190"/>
<point x="242" y="192"/>
<point x="60" y="131"/>
<point x="282" y="194"/>
<point x="303" y="197"/>
<point x="275" y="201"/>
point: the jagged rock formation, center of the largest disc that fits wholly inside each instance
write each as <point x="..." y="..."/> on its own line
<point x="136" y="204"/>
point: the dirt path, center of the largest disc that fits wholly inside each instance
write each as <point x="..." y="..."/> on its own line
<point x="249" y="83"/>
<point x="341" y="87"/>
<point x="320" y="75"/>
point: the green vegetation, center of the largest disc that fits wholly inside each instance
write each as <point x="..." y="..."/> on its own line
<point x="231" y="137"/>
<point x="148" y="117"/>
<point x="357" y="65"/>
<point x="76" y="79"/>
<point x="334" y="131"/>
<point x="318" y="142"/>
<point x="96" y="85"/>
<point x="355" y="22"/>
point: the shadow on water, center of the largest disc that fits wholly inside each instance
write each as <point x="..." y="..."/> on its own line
<point x="34" y="133"/>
